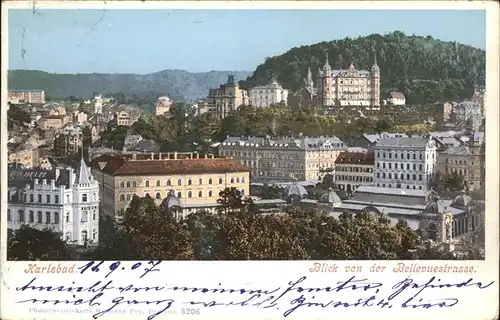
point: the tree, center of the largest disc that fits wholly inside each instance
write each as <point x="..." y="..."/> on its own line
<point x="16" y="116"/>
<point x="232" y="200"/>
<point x="29" y="243"/>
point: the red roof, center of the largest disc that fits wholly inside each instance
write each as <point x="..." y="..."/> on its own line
<point x="118" y="166"/>
<point x="366" y="158"/>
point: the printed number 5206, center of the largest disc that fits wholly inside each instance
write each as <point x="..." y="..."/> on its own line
<point x="187" y="311"/>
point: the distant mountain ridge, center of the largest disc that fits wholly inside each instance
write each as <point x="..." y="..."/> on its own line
<point x="179" y="85"/>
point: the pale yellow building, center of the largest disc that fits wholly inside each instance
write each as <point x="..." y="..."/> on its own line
<point x="284" y="159"/>
<point x="467" y="160"/>
<point x="353" y="169"/>
<point x="195" y="180"/>
<point x="227" y="98"/>
<point x="163" y="105"/>
<point x="27" y="157"/>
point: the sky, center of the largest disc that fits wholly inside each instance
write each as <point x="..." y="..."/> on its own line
<point x="144" y="41"/>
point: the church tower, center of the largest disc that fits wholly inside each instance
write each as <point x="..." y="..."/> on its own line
<point x="375" y="83"/>
<point x="309" y="80"/>
<point x="326" y="85"/>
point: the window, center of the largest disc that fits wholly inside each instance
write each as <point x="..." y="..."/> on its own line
<point x="384" y="155"/>
<point x="84" y="216"/>
<point x="179" y="194"/>
<point x="420" y="177"/>
<point x="39" y="198"/>
<point x="122" y="184"/>
<point x="31" y="198"/>
<point x="242" y="179"/>
<point x="129" y="197"/>
<point x="146" y="183"/>
<point x="84" y="235"/>
<point x="395" y="165"/>
<point x="21" y="215"/>
<point x="56" y="217"/>
<point x="158" y="195"/>
<point x="390" y="175"/>
<point x="84" y="197"/>
<point x="383" y="175"/>
<point x="134" y="184"/>
<point x="383" y="165"/>
<point x="419" y="187"/>
<point x="56" y="199"/>
<point x="39" y="217"/>
<point x="220" y="180"/>
<point x="200" y="181"/>
<point x="407" y="166"/>
<point x="169" y="183"/>
<point x="179" y="182"/>
<point x="209" y="180"/>
<point x="407" y="156"/>
<point x="420" y="156"/>
<point x="414" y="177"/>
<point x="402" y="176"/>
<point x="378" y="175"/>
<point x="122" y="197"/>
<point x="395" y="155"/>
<point x="190" y="182"/>
<point x="128" y="184"/>
<point x="47" y="217"/>
<point x="390" y="155"/>
<point x="158" y="183"/>
<point x="32" y="216"/>
<point x="210" y="193"/>
<point x="48" y="198"/>
<point x="420" y="167"/>
<point x="232" y="180"/>
<point x="67" y="217"/>
<point x="414" y="167"/>
<point x="94" y="216"/>
<point x="390" y="167"/>
<point x="146" y="194"/>
<point x="94" y="235"/>
<point x="190" y="194"/>
<point x="378" y="164"/>
<point x="414" y="156"/>
<point x="200" y="194"/>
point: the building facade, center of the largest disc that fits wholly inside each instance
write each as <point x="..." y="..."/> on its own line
<point x="405" y="163"/>
<point x="227" y="98"/>
<point x="72" y="140"/>
<point x="64" y="201"/>
<point x="353" y="169"/>
<point x="264" y="96"/>
<point x="396" y="99"/>
<point x="27" y="157"/>
<point x="196" y="181"/>
<point x="163" y="105"/>
<point x="467" y="160"/>
<point x="98" y="104"/>
<point x="349" y="87"/>
<point x="26" y="96"/>
<point x="284" y="159"/>
<point x="469" y="114"/>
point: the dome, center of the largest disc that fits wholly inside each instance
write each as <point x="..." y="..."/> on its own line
<point x="462" y="201"/>
<point x="170" y="202"/>
<point x="296" y="190"/>
<point x="435" y="207"/>
<point x="331" y="197"/>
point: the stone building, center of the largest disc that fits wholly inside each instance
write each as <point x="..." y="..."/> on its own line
<point x="26" y="96"/>
<point x="195" y="180"/>
<point x="467" y="160"/>
<point x="349" y="87"/>
<point x="73" y="140"/>
<point x="406" y="163"/>
<point x="284" y="159"/>
<point x="163" y="105"/>
<point x="227" y="98"/>
<point x="63" y="201"/>
<point x="264" y="96"/>
<point x="353" y="169"/>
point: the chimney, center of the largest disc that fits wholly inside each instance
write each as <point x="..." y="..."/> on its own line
<point x="175" y="155"/>
<point x="71" y="176"/>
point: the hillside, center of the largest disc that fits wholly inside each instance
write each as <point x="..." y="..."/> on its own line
<point x="423" y="68"/>
<point x="179" y="85"/>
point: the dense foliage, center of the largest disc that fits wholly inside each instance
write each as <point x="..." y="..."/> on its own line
<point x="145" y="231"/>
<point x="28" y="243"/>
<point x="16" y="117"/>
<point x="423" y="68"/>
<point x="179" y="85"/>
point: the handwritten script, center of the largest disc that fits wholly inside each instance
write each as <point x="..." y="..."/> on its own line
<point x="289" y="297"/>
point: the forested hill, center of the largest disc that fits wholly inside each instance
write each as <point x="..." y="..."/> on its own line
<point x="179" y="85"/>
<point x="423" y="68"/>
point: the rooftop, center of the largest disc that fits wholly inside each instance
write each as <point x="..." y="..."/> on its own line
<point x="417" y="141"/>
<point x="301" y="142"/>
<point x="355" y="157"/>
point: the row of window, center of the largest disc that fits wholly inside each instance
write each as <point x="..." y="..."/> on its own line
<point x="353" y="169"/>
<point x="133" y="184"/>
<point x="128" y="197"/>
<point x="48" y="198"/>
<point x="402" y="176"/>
<point x="21" y="217"/>
<point x="355" y="178"/>
<point x="457" y="162"/>
<point x="402" y="155"/>
<point x="402" y="166"/>
<point x="399" y="186"/>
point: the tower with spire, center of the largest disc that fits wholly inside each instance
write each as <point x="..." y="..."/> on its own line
<point x="326" y="84"/>
<point x="375" y="72"/>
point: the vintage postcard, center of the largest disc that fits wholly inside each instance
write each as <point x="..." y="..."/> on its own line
<point x="255" y="159"/>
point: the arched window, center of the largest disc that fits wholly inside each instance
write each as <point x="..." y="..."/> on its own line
<point x="190" y="182"/>
<point x="179" y="182"/>
<point x="147" y="183"/>
<point x="67" y="217"/>
<point x="169" y="183"/>
<point x="232" y="180"/>
<point x="122" y="197"/>
<point x="158" y="195"/>
<point x="147" y="194"/>
<point x="190" y="194"/>
<point x="158" y="183"/>
<point x="200" y="194"/>
<point x="122" y="184"/>
<point x="200" y="181"/>
<point x="179" y="194"/>
<point x="84" y="235"/>
<point x="242" y="179"/>
<point x="134" y="184"/>
<point x="128" y="184"/>
<point x="210" y="193"/>
<point x="220" y="180"/>
<point x="209" y="180"/>
<point x="21" y="215"/>
<point x="237" y="180"/>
